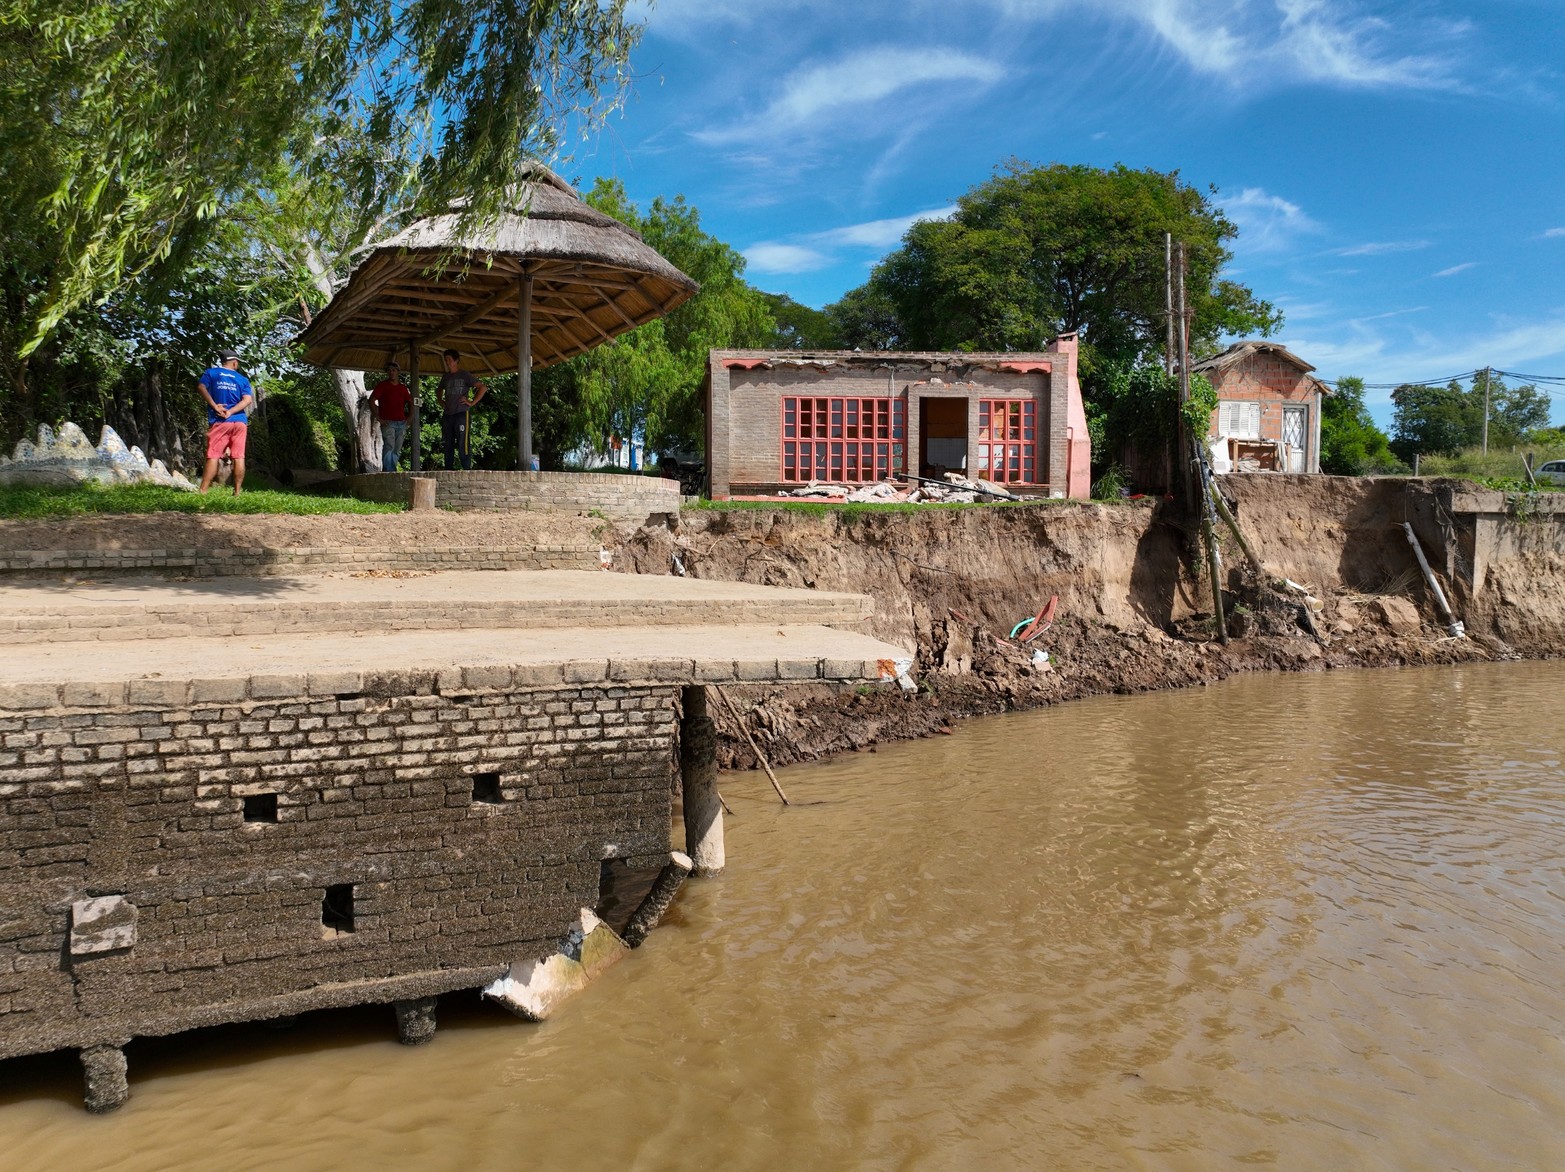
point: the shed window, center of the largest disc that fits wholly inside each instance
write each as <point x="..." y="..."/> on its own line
<point x="1008" y="441"/>
<point x="844" y="440"/>
<point x="1239" y="418"/>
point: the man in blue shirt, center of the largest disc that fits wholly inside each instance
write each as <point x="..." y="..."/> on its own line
<point x="228" y="396"/>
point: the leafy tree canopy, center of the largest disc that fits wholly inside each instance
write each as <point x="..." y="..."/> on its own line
<point x="1350" y="443"/>
<point x="1441" y="421"/>
<point x="648" y="382"/>
<point x="1041" y="250"/>
<point x="133" y="124"/>
<point x="800" y="327"/>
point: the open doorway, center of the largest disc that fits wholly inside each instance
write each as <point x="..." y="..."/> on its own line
<point x="942" y="430"/>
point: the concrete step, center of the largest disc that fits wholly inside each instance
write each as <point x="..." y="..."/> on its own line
<point x="135" y="610"/>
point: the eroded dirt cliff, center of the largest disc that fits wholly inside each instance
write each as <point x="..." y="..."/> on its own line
<point x="1133" y="614"/>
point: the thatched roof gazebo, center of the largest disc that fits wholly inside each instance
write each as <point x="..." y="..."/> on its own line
<point x="544" y="283"/>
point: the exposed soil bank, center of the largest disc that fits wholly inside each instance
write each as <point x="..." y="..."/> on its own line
<point x="1133" y="616"/>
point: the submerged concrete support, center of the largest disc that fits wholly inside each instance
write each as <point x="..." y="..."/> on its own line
<point x="415" y="1020"/>
<point x="670" y="879"/>
<point x="103" y="1073"/>
<point x="698" y="777"/>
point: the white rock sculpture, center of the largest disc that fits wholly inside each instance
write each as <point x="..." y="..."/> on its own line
<point x="69" y="459"/>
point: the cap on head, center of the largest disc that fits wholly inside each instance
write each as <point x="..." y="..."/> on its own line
<point x="227" y="356"/>
<point x="392" y="365"/>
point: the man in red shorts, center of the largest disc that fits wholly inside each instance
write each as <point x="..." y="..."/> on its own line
<point x="228" y="396"/>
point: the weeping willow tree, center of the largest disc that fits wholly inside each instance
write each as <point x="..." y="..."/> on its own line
<point x="132" y="124"/>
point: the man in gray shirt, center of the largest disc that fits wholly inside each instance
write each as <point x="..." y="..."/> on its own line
<point x="456" y="400"/>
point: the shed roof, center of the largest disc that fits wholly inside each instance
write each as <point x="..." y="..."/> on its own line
<point x="1239" y="351"/>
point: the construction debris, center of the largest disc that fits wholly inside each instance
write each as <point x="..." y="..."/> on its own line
<point x="954" y="488"/>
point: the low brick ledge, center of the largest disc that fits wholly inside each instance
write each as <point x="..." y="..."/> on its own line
<point x="450" y="681"/>
<point x="269" y="560"/>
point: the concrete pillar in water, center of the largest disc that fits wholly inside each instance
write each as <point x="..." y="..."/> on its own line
<point x="103" y="1071"/>
<point x="698" y="776"/>
<point x="668" y="883"/>
<point x="415" y="1020"/>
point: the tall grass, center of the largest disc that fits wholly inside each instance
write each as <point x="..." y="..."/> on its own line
<point x="1493" y="464"/>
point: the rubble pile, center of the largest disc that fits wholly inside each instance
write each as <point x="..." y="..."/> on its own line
<point x="955" y="488"/>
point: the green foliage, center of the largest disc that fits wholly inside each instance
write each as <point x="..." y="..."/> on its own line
<point x="134" y="126"/>
<point x="800" y="327"/>
<point x="648" y="382"/>
<point x="1138" y="408"/>
<point x="283" y="436"/>
<point x="1441" y="421"/>
<point x="1041" y="250"/>
<point x="866" y="319"/>
<point x="1497" y="464"/>
<point x="1111" y="485"/>
<point x="1351" y="444"/>
<point x="37" y="502"/>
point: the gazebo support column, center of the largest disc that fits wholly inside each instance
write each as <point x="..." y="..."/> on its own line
<point x="524" y="375"/>
<point x="418" y="448"/>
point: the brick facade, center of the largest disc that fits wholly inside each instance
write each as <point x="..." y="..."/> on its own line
<point x="747" y="390"/>
<point x="470" y="827"/>
<point x="1276" y="381"/>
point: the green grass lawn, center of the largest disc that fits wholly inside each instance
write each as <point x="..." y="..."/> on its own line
<point x="34" y="502"/>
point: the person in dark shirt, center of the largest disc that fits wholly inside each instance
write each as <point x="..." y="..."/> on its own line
<point x="228" y="396"/>
<point x="456" y="401"/>
<point x="391" y="400"/>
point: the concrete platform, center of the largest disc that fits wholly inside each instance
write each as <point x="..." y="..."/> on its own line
<point x="175" y="672"/>
<point x="212" y="608"/>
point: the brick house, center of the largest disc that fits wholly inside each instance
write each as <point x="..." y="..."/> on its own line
<point x="1268" y="409"/>
<point x="777" y="419"/>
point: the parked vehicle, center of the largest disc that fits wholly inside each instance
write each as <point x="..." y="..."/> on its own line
<point x="687" y="467"/>
<point x="1552" y="472"/>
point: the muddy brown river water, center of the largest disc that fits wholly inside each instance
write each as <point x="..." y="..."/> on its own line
<point x="1308" y="922"/>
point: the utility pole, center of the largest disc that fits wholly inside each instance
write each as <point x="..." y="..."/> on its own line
<point x="1488" y="372"/>
<point x="1168" y="300"/>
<point x="1198" y="473"/>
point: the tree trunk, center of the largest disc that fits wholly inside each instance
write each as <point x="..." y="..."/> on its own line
<point x="363" y="430"/>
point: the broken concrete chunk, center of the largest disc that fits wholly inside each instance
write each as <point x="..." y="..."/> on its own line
<point x="532" y="989"/>
<point x="104" y="924"/>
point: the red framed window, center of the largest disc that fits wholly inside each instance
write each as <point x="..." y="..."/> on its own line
<point x="1008" y="441"/>
<point x="848" y="441"/>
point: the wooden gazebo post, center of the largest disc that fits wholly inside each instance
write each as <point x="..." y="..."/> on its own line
<point x="524" y="375"/>
<point x="417" y="456"/>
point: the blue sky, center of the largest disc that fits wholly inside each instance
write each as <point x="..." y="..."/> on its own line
<point x="1396" y="167"/>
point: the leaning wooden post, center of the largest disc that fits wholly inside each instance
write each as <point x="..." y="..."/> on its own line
<point x="524" y="375"/>
<point x="1232" y="522"/>
<point x="698" y="780"/>
<point x="417" y="464"/>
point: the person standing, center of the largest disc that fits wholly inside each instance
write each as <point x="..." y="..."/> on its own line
<point x="391" y="400"/>
<point x="457" y="401"/>
<point x="228" y="396"/>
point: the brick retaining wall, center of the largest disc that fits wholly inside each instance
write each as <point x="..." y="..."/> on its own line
<point x="630" y="498"/>
<point x="469" y="825"/>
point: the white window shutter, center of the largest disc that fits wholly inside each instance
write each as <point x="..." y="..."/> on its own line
<point x="1239" y="418"/>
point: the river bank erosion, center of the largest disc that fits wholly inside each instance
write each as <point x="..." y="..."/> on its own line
<point x="1132" y="615"/>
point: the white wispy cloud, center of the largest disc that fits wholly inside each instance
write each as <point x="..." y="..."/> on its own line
<point x="1555" y="232"/>
<point x="1454" y="269"/>
<point x="817" y="96"/>
<point x="1380" y="248"/>
<point x="773" y="257"/>
<point x="1246" y="43"/>
<point x="1266" y="222"/>
<point x="812" y="251"/>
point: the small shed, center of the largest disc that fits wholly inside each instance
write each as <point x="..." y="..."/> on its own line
<point x="777" y="419"/>
<point x="1268" y="409"/>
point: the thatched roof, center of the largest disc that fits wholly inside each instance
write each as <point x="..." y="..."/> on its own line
<point x="593" y="278"/>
